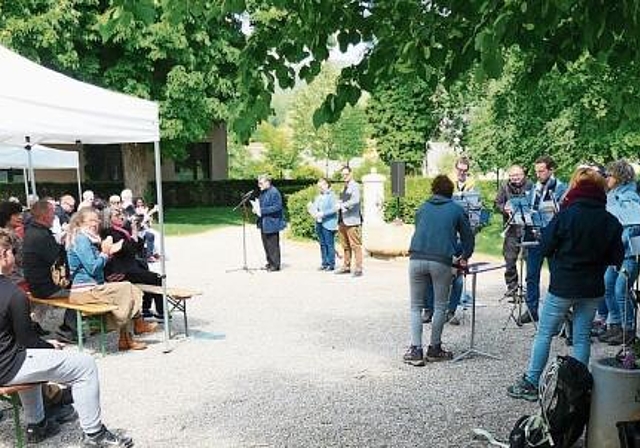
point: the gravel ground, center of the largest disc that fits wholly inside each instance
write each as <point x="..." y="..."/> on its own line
<point x="302" y="358"/>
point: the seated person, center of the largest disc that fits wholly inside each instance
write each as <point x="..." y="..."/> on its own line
<point x="25" y="358"/>
<point x="129" y="263"/>
<point x="88" y="255"/>
<point x="40" y="251"/>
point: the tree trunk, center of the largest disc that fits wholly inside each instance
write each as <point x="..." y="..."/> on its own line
<point x="135" y="165"/>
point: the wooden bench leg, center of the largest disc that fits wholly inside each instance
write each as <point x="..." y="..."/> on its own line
<point x="80" y="329"/>
<point x="184" y="313"/>
<point x="15" y="404"/>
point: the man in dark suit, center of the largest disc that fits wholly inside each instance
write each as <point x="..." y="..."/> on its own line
<point x="269" y="209"/>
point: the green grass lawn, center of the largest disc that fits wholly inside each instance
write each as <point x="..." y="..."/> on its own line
<point x="188" y="221"/>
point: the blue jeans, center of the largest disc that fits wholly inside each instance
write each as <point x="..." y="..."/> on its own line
<point x="424" y="275"/>
<point x="454" y="295"/>
<point x="326" y="238"/>
<point x="554" y="311"/>
<point x="534" y="266"/>
<point x="617" y="294"/>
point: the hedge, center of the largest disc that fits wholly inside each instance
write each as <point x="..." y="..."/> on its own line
<point x="218" y="193"/>
<point x="417" y="190"/>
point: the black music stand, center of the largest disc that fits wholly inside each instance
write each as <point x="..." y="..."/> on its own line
<point x="245" y="212"/>
<point x="474" y="269"/>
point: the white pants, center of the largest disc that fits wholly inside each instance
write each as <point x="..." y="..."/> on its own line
<point x="75" y="369"/>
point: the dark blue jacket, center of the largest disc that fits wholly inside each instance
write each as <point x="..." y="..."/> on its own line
<point x="441" y="227"/>
<point x="581" y="241"/>
<point x="272" y="218"/>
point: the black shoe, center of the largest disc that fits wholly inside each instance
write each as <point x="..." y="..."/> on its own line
<point x="273" y="269"/>
<point x="437" y="354"/>
<point x="414" y="356"/>
<point x="523" y="389"/>
<point x="62" y="414"/>
<point x="342" y="271"/>
<point x="37" y="432"/>
<point x="357" y="273"/>
<point x="427" y="316"/>
<point x="106" y="438"/>
<point x="66" y="335"/>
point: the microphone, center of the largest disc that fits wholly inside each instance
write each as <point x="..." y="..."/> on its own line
<point x="248" y="194"/>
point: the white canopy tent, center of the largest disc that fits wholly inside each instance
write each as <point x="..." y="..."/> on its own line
<point x="38" y="105"/>
<point x="39" y="158"/>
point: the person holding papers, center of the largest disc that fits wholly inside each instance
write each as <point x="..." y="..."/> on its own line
<point x="269" y="209"/>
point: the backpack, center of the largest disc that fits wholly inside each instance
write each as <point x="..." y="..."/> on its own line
<point x="565" y="400"/>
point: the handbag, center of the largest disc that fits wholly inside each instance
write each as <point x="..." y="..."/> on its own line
<point x="60" y="274"/>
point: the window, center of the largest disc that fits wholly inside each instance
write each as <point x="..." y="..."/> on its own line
<point x="197" y="164"/>
<point x="103" y="163"/>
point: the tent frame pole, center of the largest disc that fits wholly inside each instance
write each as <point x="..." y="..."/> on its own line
<point x="165" y="305"/>
<point x="32" y="175"/>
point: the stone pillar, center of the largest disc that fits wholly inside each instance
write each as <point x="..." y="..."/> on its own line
<point x="373" y="198"/>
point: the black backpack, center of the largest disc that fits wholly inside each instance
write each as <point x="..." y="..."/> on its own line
<point x="565" y="400"/>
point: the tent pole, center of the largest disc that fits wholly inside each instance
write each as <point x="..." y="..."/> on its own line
<point x="165" y="305"/>
<point x="26" y="185"/>
<point x="79" y="184"/>
<point x="27" y="146"/>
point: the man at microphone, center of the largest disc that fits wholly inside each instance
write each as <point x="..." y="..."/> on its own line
<point x="517" y="186"/>
<point x="268" y="207"/>
<point x="547" y="190"/>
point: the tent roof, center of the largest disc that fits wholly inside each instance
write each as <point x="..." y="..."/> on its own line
<point x="49" y="107"/>
<point x="43" y="158"/>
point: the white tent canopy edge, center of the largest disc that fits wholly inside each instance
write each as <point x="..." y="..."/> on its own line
<point x="38" y="105"/>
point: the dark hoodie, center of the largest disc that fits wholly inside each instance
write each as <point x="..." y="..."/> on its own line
<point x="440" y="223"/>
<point x="581" y="241"/>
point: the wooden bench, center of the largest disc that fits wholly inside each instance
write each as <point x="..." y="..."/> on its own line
<point x="90" y="311"/>
<point x="10" y="395"/>
<point x="176" y="298"/>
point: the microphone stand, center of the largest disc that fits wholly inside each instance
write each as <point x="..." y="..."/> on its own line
<point x="243" y="203"/>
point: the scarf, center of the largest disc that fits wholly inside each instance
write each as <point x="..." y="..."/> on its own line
<point x="584" y="190"/>
<point x="95" y="239"/>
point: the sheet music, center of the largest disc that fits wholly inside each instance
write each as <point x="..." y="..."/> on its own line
<point x="255" y="207"/>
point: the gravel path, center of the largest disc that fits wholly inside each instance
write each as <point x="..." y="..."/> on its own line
<point x="302" y="358"/>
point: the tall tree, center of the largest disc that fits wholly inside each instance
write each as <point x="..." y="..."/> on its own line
<point x="186" y="62"/>
<point x="341" y="140"/>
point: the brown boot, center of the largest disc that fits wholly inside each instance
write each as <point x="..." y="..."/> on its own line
<point x="126" y="342"/>
<point x="140" y="326"/>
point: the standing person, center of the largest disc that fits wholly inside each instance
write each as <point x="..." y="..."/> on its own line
<point x="269" y="209"/>
<point x="126" y="204"/>
<point x="441" y="225"/>
<point x="25" y="358"/>
<point x="624" y="203"/>
<point x="349" y="223"/>
<point x="324" y="211"/>
<point x="462" y="181"/>
<point x="516" y="187"/>
<point x="40" y="252"/>
<point x="88" y="198"/>
<point x="547" y="190"/>
<point x="580" y="241"/>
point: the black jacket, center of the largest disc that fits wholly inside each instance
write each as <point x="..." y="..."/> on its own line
<point x="39" y="251"/>
<point x="126" y="260"/>
<point x="16" y="330"/>
<point x="581" y="241"/>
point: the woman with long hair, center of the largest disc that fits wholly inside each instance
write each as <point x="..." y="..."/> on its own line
<point x="130" y="263"/>
<point x="88" y="254"/>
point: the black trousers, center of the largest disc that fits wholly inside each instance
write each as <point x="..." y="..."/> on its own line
<point x="147" y="278"/>
<point x="510" y="251"/>
<point x="271" y="244"/>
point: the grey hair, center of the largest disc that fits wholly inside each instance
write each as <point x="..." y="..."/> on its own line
<point x="622" y="171"/>
<point x="264" y="177"/>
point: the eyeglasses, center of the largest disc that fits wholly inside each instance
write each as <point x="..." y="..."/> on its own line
<point x="462" y="170"/>
<point x="114" y="202"/>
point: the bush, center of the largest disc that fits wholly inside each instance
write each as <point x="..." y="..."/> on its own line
<point x="307" y="172"/>
<point x="301" y="224"/>
<point x="417" y="190"/>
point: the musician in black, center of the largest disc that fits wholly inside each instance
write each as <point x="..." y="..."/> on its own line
<point x="547" y="190"/>
<point x="517" y="186"/>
